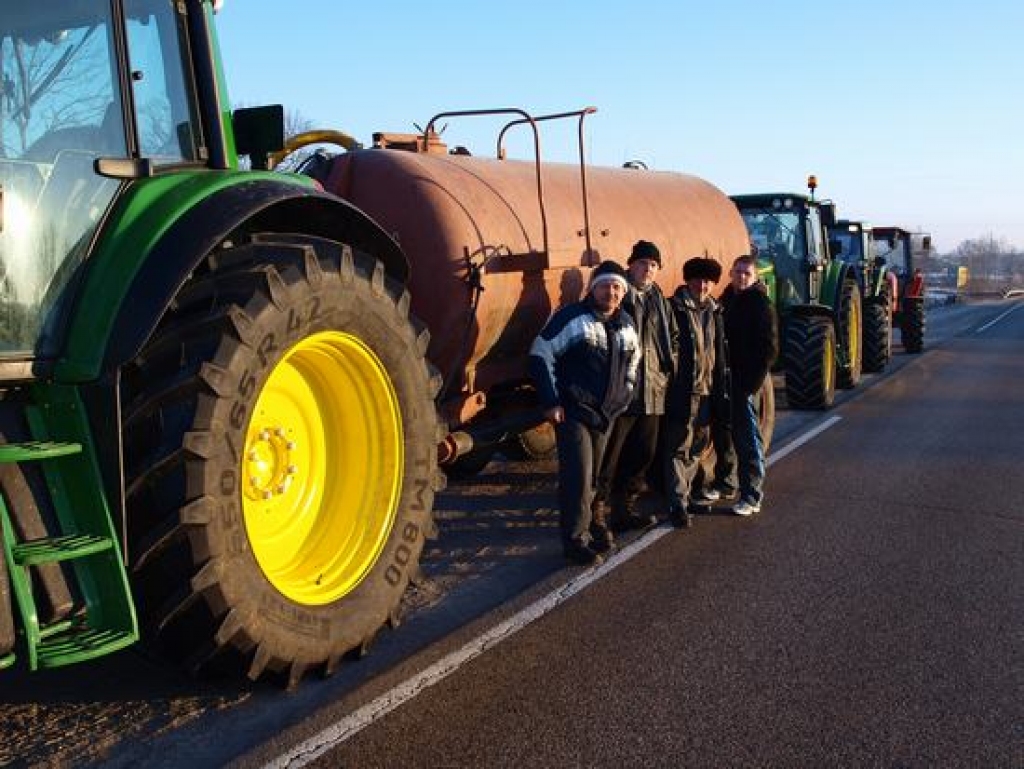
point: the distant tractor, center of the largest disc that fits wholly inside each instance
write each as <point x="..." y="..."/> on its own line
<point x="899" y="249"/>
<point x="817" y="298"/>
<point x="851" y="242"/>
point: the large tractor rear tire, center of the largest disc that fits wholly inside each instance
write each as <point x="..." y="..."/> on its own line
<point x="7" y="636"/>
<point x="850" y="324"/>
<point x="877" y="333"/>
<point x="809" y="361"/>
<point x="912" y="324"/>
<point x="281" y="460"/>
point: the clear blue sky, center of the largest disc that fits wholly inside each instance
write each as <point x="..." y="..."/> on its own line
<point x="908" y="112"/>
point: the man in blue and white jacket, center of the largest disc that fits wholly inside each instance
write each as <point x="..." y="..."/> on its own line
<point x="584" y="363"/>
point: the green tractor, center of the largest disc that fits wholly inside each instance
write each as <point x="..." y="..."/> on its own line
<point x="899" y="250"/>
<point x="817" y="298"/>
<point x="853" y="244"/>
<point x="188" y="353"/>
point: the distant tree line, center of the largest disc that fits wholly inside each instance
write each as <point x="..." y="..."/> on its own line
<point x="993" y="264"/>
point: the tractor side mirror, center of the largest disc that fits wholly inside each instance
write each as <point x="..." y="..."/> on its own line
<point x="258" y="132"/>
<point x="828" y="214"/>
<point x="926" y="244"/>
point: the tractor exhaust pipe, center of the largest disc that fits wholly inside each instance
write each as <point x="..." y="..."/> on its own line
<point x="486" y="433"/>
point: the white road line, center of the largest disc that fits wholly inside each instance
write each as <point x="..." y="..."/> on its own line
<point x="993" y="322"/>
<point x="316" y="746"/>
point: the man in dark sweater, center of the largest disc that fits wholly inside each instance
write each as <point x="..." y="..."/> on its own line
<point x="584" y="363"/>
<point x="751" y="332"/>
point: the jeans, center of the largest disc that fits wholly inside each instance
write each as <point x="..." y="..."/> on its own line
<point x="580" y="449"/>
<point x="749" y="447"/>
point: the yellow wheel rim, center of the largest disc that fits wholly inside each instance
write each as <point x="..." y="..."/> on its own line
<point x="853" y="335"/>
<point x="322" y="468"/>
<point x="829" y="364"/>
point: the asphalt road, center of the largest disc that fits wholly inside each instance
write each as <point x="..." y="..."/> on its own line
<point x="872" y="615"/>
<point x="745" y="609"/>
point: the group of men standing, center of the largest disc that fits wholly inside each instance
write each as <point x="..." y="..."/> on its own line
<point x="638" y="385"/>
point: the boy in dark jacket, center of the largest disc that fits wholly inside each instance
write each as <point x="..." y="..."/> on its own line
<point x="584" y="363"/>
<point x="751" y="333"/>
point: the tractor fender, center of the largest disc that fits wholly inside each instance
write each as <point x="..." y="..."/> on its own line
<point x="836" y="274"/>
<point x="811" y="310"/>
<point x="252" y="206"/>
<point x="880" y="279"/>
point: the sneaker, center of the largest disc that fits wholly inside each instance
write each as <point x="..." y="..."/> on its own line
<point x="581" y="555"/>
<point x="743" y="507"/>
<point x="724" y="492"/>
<point x="705" y="497"/>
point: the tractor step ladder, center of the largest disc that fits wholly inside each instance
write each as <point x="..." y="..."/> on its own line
<point x="87" y="544"/>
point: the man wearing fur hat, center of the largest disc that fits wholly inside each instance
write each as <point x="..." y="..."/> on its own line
<point x="584" y="363"/>
<point x="688" y="407"/>
<point x="633" y="442"/>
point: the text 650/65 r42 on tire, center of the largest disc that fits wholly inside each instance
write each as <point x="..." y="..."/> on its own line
<point x="281" y="459"/>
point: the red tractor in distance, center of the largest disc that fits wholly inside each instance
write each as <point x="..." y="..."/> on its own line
<point x="899" y="249"/>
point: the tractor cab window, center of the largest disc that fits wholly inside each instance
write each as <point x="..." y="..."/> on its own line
<point x="779" y="237"/>
<point x="815" y="237"/>
<point x="851" y="248"/>
<point x="60" y="109"/>
<point x="164" y="102"/>
<point x="894" y="251"/>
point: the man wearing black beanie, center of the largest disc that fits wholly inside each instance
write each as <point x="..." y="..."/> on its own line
<point x="634" y="438"/>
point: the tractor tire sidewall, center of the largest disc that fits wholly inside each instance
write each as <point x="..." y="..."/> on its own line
<point x="877" y="334"/>
<point x="809" y="346"/>
<point x="849" y="331"/>
<point x="247" y="613"/>
<point x="912" y="325"/>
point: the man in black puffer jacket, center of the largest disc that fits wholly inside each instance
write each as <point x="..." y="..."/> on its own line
<point x="751" y="331"/>
<point x="584" y="363"/>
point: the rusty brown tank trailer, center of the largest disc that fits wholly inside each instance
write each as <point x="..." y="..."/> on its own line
<point x="495" y="245"/>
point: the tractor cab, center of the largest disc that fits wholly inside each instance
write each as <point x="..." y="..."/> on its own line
<point x="789" y="233"/>
<point x="90" y="101"/>
<point x="893" y="246"/>
<point x="900" y="250"/>
<point x="851" y="242"/>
